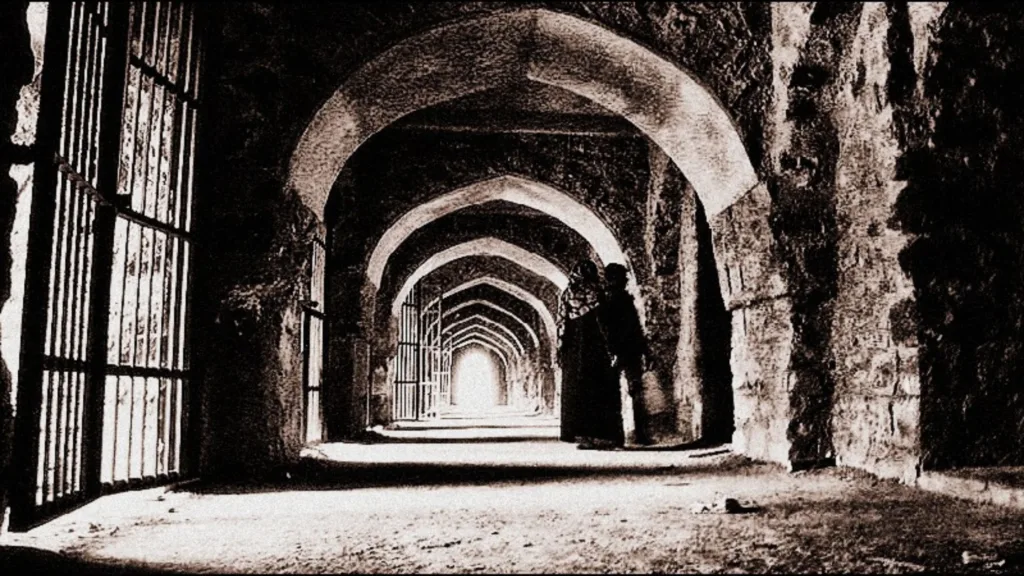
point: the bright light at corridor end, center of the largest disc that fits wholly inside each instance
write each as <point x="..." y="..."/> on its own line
<point x="475" y="381"/>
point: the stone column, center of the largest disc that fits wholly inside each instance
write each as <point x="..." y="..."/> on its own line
<point x="16" y="68"/>
<point x="251" y="278"/>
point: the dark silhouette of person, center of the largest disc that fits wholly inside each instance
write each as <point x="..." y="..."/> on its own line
<point x="591" y="410"/>
<point x="626" y="342"/>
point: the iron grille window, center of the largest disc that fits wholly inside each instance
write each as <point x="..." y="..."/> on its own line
<point x="148" y="372"/>
<point x="104" y="372"/>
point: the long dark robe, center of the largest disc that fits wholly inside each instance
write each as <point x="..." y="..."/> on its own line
<point x="591" y="404"/>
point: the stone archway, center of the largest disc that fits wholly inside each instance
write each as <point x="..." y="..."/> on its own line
<point x="483" y="246"/>
<point x="663" y="101"/>
<point x="498" y="331"/>
<point x="490" y="305"/>
<point x="514" y="189"/>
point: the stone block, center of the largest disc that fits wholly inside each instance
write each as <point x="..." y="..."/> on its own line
<point x="748" y="266"/>
<point x="877" y="433"/>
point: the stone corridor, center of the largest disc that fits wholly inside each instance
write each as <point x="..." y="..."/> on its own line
<point x="339" y="286"/>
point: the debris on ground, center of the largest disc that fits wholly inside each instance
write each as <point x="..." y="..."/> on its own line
<point x="989" y="560"/>
<point x="718" y="452"/>
<point x="724" y="506"/>
<point x="898" y="563"/>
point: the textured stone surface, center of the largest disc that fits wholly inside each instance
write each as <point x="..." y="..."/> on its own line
<point x="761" y="351"/>
<point x="249" y="285"/>
<point x="873" y="325"/>
<point x="16" y="70"/>
<point x="762" y="331"/>
<point x="963" y="203"/>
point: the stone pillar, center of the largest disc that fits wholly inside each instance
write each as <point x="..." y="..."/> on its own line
<point x="750" y="274"/>
<point x="662" y="291"/>
<point x="16" y="68"/>
<point x="347" y="374"/>
<point x="874" y="340"/>
<point x="687" y="381"/>
<point x="251" y="279"/>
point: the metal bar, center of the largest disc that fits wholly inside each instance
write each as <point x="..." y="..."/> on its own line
<point x="68" y="221"/>
<point x="305" y="376"/>
<point x="198" y="159"/>
<point x="87" y="98"/>
<point x="138" y="203"/>
<point x="111" y="119"/>
<point x="161" y="80"/>
<point x="25" y="461"/>
<point x="149" y="208"/>
<point x="135" y="89"/>
<point x="416" y="323"/>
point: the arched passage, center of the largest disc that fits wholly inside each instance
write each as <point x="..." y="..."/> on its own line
<point x="665" y="103"/>
<point x="514" y="189"/>
<point x="486" y="246"/>
<point x="492" y="306"/>
<point x="474" y="340"/>
<point x="515" y="339"/>
<point x="484" y="334"/>
<point x="546" y="314"/>
<point x="495" y="329"/>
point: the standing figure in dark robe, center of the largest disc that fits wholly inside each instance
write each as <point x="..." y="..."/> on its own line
<point x="591" y="409"/>
<point x="626" y="342"/>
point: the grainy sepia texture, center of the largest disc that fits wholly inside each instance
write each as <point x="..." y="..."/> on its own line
<point x="321" y="286"/>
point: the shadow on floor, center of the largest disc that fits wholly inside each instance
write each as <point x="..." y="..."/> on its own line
<point x="381" y="439"/>
<point x="469" y="426"/>
<point x="313" y="474"/>
<point x="28" y="560"/>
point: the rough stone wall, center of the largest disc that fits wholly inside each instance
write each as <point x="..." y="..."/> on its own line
<point x="875" y="420"/>
<point x="252" y="272"/>
<point x="964" y="203"/>
<point x="687" y="383"/>
<point x="16" y="70"/>
<point x="750" y="275"/>
<point x="804" y="219"/>
<point x="662" y="292"/>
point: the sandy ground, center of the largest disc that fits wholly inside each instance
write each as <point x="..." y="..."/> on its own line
<point x="463" y="497"/>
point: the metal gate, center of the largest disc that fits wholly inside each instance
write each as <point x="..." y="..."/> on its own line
<point x="104" y="371"/>
<point x="405" y="402"/>
<point x="430" y="363"/>
<point x="440" y="371"/>
<point x="313" y="347"/>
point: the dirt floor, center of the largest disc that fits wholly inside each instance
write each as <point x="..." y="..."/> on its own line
<point x="469" y="497"/>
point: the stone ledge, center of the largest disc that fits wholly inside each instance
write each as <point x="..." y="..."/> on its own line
<point x="1002" y="486"/>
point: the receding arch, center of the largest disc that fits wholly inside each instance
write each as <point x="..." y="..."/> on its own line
<point x="473" y="341"/>
<point x="480" y="318"/>
<point x="659" y="98"/>
<point x="486" y="246"/>
<point x="494" y="335"/>
<point x="484" y="337"/>
<point x="516" y="291"/>
<point x="513" y="189"/>
<point x="491" y="305"/>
